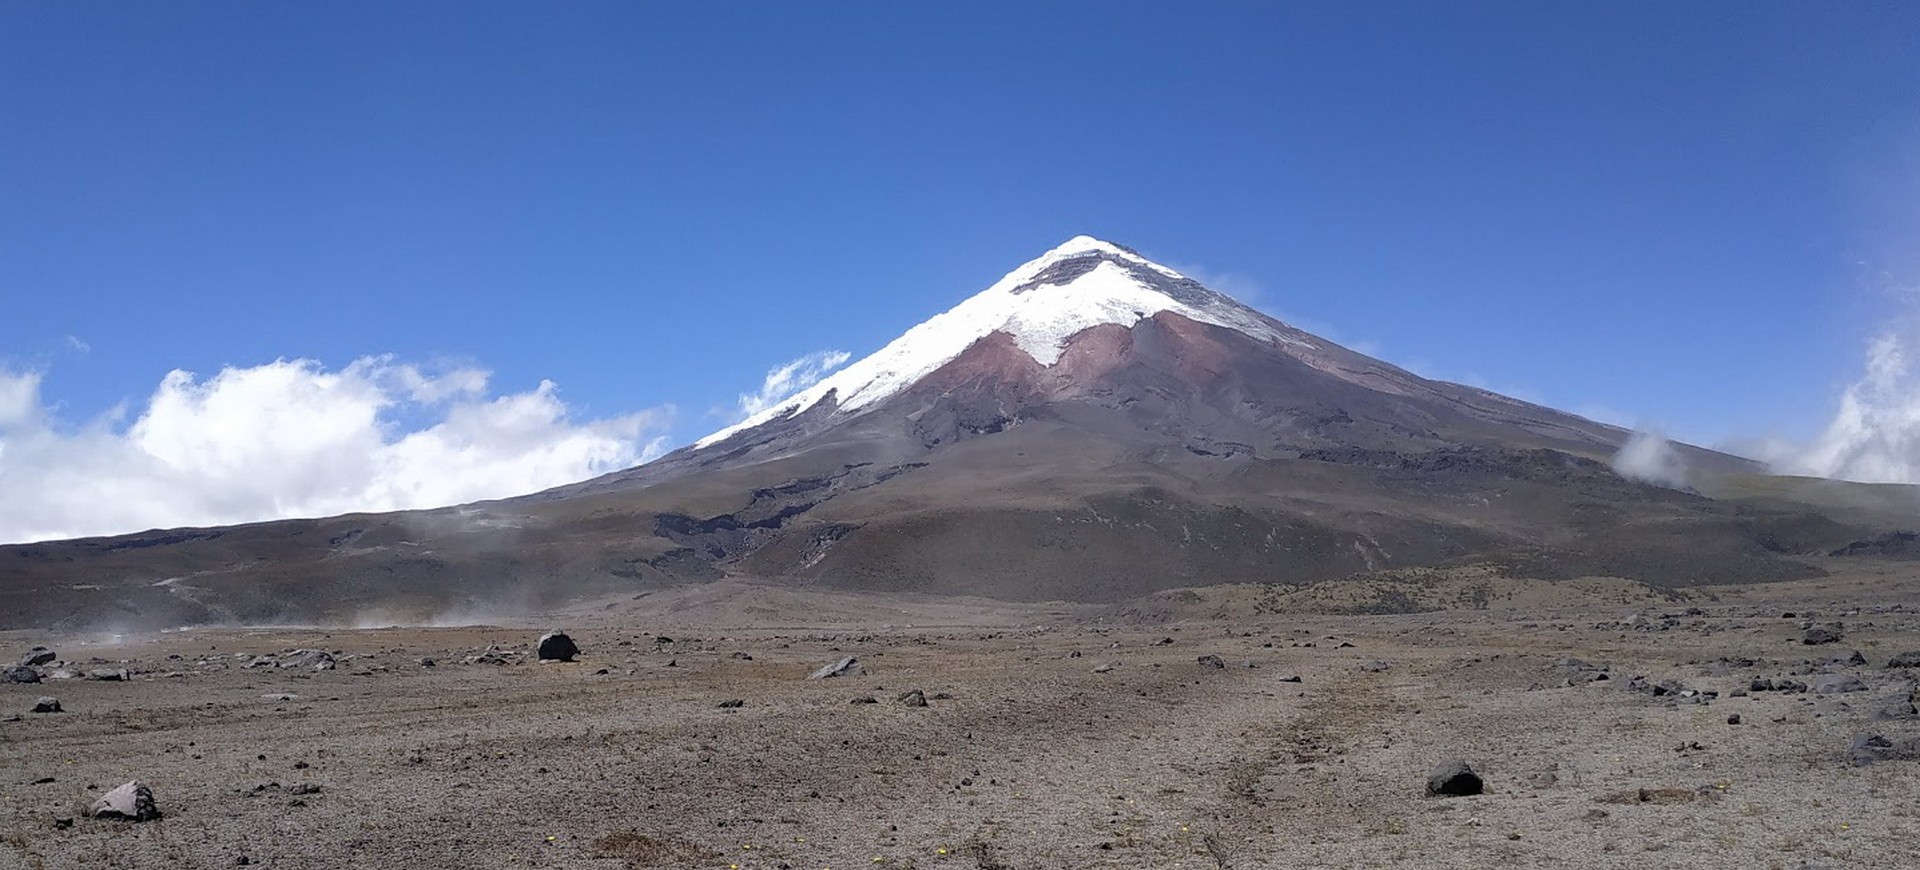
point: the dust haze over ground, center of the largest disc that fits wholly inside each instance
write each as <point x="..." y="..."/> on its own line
<point x="1649" y="457"/>
<point x="1074" y="736"/>
<point x="1874" y="436"/>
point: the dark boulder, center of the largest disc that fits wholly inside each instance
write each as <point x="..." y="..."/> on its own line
<point x="39" y="655"/>
<point x="1821" y="634"/>
<point x="556" y="647"/>
<point x="19" y="674"/>
<point x="1454" y="778"/>
<point x="46" y="705"/>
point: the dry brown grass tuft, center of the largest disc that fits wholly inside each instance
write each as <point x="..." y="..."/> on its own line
<point x="642" y="851"/>
<point x="1651" y="796"/>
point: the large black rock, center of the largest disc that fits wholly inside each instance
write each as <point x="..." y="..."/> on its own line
<point x="556" y="647"/>
<point x="1453" y="778"/>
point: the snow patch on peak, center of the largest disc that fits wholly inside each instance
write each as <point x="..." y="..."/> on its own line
<point x="1107" y="293"/>
<point x="1083" y="283"/>
<point x="1079" y="245"/>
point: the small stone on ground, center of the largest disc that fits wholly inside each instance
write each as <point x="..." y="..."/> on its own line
<point x="132" y="801"/>
<point x="1454" y="778"/>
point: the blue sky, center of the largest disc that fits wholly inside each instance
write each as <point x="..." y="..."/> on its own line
<point x="1690" y="215"/>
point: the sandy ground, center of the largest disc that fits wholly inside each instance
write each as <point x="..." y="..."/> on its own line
<point x="1024" y="758"/>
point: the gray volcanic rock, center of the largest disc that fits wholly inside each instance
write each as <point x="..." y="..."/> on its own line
<point x="1821" y="634"/>
<point x="1577" y="672"/>
<point x="491" y="656"/>
<point x="1898" y="706"/>
<point x="1849" y="659"/>
<point x="311" y="659"/>
<point x="39" y="655"/>
<point x="46" y="704"/>
<point x="132" y="801"/>
<point x="1829" y="684"/>
<point x="1870" y="749"/>
<point x="19" y="674"/>
<point x="845" y="667"/>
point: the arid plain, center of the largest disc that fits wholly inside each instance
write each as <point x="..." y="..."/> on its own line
<point x="1065" y="736"/>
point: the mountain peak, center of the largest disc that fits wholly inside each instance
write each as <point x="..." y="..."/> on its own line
<point x="1090" y="248"/>
<point x="1083" y="283"/>
<point x="1084" y="244"/>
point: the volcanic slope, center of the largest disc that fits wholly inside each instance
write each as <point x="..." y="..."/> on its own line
<point x="1093" y="427"/>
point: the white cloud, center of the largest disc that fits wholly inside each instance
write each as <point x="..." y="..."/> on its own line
<point x="1875" y="435"/>
<point x="1649" y="457"/>
<point x="19" y="399"/>
<point x="786" y="379"/>
<point x="292" y="439"/>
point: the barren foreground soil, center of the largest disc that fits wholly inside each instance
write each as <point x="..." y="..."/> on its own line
<point x="1030" y="753"/>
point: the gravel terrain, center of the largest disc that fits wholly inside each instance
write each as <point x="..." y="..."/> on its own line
<point x="1048" y="739"/>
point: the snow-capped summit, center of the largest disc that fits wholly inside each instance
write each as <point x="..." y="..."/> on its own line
<point x="1083" y="283"/>
<point x="1094" y="427"/>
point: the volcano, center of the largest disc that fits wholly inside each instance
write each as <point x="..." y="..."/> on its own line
<point x="1093" y="427"/>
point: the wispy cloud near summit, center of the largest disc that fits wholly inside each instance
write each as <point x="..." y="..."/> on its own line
<point x="791" y="377"/>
